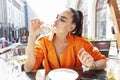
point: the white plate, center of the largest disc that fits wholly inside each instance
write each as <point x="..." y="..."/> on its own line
<point x="63" y="74"/>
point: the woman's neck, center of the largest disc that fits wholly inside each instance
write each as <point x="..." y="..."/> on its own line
<point x="61" y="38"/>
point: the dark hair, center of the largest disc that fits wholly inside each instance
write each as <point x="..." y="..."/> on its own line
<point x="78" y="20"/>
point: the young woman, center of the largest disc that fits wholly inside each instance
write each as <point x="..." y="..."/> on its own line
<point x="65" y="48"/>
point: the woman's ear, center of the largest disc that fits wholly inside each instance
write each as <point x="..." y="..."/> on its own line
<point x="72" y="27"/>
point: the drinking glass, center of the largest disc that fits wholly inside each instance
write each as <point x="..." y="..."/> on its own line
<point x="48" y="27"/>
<point x="113" y="69"/>
<point x="3" y="69"/>
<point x="17" y="58"/>
<point x="113" y="50"/>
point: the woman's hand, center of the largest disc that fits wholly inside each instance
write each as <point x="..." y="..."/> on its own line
<point x="86" y="59"/>
<point x="35" y="26"/>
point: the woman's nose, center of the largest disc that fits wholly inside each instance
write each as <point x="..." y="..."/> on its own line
<point x="56" y="21"/>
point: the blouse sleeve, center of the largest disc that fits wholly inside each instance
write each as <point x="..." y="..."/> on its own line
<point x="94" y="52"/>
<point x="97" y="54"/>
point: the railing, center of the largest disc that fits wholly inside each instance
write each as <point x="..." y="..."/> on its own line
<point x="103" y="46"/>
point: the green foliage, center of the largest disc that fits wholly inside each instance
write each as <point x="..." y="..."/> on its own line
<point x="90" y="38"/>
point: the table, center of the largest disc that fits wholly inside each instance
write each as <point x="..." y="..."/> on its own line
<point x="88" y="75"/>
<point x="22" y="75"/>
<point x="18" y="73"/>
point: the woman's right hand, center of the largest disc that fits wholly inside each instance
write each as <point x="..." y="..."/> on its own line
<point x="35" y="26"/>
<point x="35" y="29"/>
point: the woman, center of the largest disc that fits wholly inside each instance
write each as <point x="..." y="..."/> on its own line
<point x="66" y="48"/>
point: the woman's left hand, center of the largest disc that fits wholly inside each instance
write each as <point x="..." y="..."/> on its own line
<point x="85" y="58"/>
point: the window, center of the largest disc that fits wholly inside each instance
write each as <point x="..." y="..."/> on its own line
<point x="85" y="23"/>
<point x="101" y="19"/>
<point x="83" y="6"/>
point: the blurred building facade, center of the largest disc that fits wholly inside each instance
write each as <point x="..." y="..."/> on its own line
<point x="14" y="15"/>
<point x="29" y="13"/>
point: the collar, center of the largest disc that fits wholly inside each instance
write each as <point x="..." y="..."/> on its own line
<point x="70" y="38"/>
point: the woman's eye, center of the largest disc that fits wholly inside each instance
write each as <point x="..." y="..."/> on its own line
<point x="56" y="17"/>
<point x="62" y="20"/>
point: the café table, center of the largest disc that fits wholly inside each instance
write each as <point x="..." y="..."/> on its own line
<point x="18" y="73"/>
<point x="15" y="71"/>
<point x="22" y="75"/>
<point x="112" y="65"/>
<point x="87" y="75"/>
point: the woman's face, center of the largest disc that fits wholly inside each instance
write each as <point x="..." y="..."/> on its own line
<point x="64" y="23"/>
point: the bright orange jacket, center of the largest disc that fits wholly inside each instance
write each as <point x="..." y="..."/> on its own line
<point x="45" y="52"/>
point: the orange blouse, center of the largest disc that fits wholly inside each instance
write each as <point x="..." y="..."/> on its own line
<point x="46" y="54"/>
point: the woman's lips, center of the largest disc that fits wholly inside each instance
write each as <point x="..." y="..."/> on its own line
<point x="54" y="25"/>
